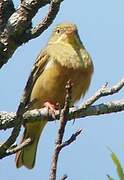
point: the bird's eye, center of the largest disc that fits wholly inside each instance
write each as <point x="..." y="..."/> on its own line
<point x="58" y="31"/>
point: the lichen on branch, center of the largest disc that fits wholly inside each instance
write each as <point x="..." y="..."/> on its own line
<point x="16" y="28"/>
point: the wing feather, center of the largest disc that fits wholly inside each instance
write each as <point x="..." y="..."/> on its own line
<point x="37" y="69"/>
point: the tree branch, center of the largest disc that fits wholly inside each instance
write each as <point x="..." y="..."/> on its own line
<point x="6" y="10"/>
<point x="45" y="23"/>
<point x="104" y="91"/>
<point x="61" y="130"/>
<point x="71" y="139"/>
<point x="19" y="25"/>
<point x="15" y="149"/>
<point x="8" y="120"/>
<point x="59" y="145"/>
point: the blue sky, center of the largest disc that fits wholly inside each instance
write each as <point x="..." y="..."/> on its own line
<point x="101" y="28"/>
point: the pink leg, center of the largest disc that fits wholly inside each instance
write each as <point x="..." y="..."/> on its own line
<point x="51" y="108"/>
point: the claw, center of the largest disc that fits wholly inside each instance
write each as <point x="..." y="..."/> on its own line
<point x="51" y="108"/>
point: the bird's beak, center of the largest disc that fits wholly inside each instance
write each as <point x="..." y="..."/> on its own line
<point x="70" y="31"/>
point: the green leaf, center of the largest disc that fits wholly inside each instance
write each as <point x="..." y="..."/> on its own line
<point x="118" y="166"/>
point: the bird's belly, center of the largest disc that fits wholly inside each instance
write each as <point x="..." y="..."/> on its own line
<point x="50" y="86"/>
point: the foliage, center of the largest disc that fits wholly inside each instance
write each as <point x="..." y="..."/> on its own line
<point x="119" y="169"/>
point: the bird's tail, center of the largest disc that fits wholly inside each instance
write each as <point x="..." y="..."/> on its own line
<point x="26" y="157"/>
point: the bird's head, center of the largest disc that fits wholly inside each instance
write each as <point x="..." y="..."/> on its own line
<point x="66" y="33"/>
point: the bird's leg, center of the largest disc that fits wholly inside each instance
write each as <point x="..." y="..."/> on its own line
<point x="51" y="108"/>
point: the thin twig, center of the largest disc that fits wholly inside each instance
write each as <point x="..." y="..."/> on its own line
<point x="71" y="139"/>
<point x="104" y="91"/>
<point x="60" y="134"/>
<point x="15" y="132"/>
<point x="17" y="148"/>
<point x="48" y="19"/>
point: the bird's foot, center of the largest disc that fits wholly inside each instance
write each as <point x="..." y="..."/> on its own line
<point x="51" y="108"/>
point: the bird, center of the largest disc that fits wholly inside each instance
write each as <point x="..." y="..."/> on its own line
<point x="63" y="58"/>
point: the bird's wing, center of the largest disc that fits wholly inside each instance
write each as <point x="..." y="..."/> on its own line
<point x="37" y="69"/>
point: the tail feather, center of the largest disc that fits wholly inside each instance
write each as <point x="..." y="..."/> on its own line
<point x="26" y="157"/>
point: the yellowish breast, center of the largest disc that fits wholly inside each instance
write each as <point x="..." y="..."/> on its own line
<point x="50" y="86"/>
